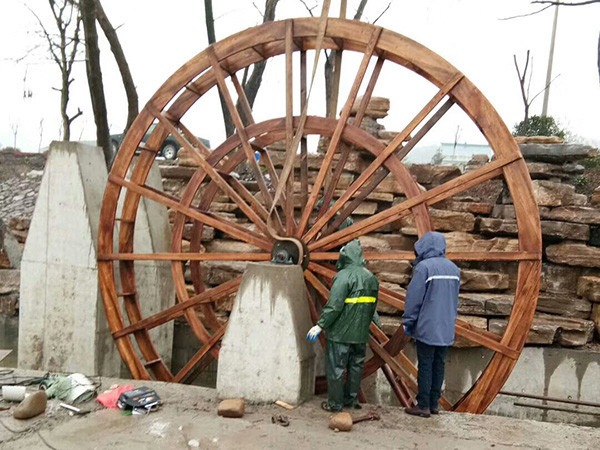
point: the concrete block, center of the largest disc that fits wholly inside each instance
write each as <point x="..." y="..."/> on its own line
<point x="62" y="326"/>
<point x="264" y="356"/>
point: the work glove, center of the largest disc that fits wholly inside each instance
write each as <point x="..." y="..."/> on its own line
<point x="313" y="333"/>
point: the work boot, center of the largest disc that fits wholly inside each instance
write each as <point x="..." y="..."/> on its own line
<point x="416" y="411"/>
<point x="327" y="407"/>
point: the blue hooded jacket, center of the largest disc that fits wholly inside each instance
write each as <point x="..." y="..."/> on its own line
<point x="432" y="296"/>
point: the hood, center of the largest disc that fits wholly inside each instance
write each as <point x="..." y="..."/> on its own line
<point x="431" y="245"/>
<point x="350" y="254"/>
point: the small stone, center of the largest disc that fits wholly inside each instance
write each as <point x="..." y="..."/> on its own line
<point x="377" y="108"/>
<point x="589" y="287"/>
<point x="479" y="280"/>
<point x="564" y="305"/>
<point x="595" y="317"/>
<point x="577" y="214"/>
<point x="538" y="140"/>
<point x="574" y="255"/>
<point x="341" y="421"/>
<point x="232" y="408"/>
<point x="547" y="329"/>
<point x="479" y="322"/>
<point x="186" y="158"/>
<point x="548" y="193"/>
<point x="445" y="220"/>
<point x="32" y="406"/>
<point x="433" y="175"/>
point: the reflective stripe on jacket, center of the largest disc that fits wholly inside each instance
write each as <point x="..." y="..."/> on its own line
<point x="432" y="296"/>
<point x="352" y="300"/>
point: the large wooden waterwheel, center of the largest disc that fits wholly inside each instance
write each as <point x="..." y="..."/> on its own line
<point x="216" y="68"/>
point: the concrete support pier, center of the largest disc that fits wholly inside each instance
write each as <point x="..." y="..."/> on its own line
<point x="62" y="326"/>
<point x="264" y="355"/>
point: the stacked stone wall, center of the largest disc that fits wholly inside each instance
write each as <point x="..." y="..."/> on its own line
<point x="480" y="219"/>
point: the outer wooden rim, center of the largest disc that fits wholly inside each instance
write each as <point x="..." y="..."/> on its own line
<point x="263" y="42"/>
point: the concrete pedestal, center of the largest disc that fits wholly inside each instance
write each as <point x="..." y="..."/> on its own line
<point x="62" y="326"/>
<point x="264" y="355"/>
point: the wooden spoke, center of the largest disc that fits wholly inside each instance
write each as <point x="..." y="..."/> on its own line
<point x="289" y="125"/>
<point x="454" y="256"/>
<point x="231" y="229"/>
<point x="318" y="285"/>
<point x="245" y="194"/>
<point x="241" y="131"/>
<point x="243" y="100"/>
<point x="345" y="149"/>
<point x="383" y="172"/>
<point x="213" y="174"/>
<point x="392" y="362"/>
<point x="208" y="296"/>
<point x="381" y="158"/>
<point x="337" y="134"/>
<point x="185" y="257"/>
<point x="403" y="397"/>
<point x="314" y="315"/>
<point x="266" y="160"/>
<point x="437" y="194"/>
<point x="194" y="140"/>
<point x="303" y="141"/>
<point x="188" y="369"/>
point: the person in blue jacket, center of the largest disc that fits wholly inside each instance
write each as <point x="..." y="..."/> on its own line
<point x="430" y="317"/>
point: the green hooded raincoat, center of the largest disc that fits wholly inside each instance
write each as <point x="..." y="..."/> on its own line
<point x="353" y="299"/>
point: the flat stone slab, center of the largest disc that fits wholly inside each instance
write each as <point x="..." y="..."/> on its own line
<point x="557" y="153"/>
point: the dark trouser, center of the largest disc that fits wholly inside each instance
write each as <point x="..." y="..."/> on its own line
<point x="431" y="374"/>
<point x="344" y="359"/>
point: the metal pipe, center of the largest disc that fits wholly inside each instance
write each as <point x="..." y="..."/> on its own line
<point x="551" y="399"/>
<point x="556" y="408"/>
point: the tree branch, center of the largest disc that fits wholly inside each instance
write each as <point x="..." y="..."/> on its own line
<point x="559" y="3"/>
<point x="360" y="9"/>
<point x="117" y="51"/>
<point x="528" y="14"/>
<point x="309" y="9"/>
<point x="382" y="13"/>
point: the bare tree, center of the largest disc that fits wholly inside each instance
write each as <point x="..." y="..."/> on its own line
<point x="115" y="46"/>
<point x="94" y="75"/>
<point x="250" y="84"/>
<point x="525" y="84"/>
<point x="63" y="48"/>
<point x="14" y="127"/>
<point x="41" y="134"/>
<point x="549" y="3"/>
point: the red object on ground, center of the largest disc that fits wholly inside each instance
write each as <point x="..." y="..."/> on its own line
<point x="109" y="399"/>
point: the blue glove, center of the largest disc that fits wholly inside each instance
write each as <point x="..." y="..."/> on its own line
<point x="313" y="333"/>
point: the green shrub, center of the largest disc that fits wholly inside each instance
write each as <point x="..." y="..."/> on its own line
<point x="539" y="126"/>
<point x="581" y="182"/>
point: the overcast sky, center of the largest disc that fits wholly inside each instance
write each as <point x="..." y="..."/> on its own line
<point x="159" y="36"/>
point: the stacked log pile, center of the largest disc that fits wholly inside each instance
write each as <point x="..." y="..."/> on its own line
<point x="480" y="219"/>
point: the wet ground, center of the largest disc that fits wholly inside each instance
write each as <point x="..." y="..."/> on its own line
<point x="188" y="419"/>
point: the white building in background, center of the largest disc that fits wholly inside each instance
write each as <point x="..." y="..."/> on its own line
<point x="456" y="154"/>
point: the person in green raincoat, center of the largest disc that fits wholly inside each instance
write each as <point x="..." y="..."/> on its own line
<point x="346" y="318"/>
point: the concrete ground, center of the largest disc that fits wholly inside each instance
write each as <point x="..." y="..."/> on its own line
<point x="188" y="419"/>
